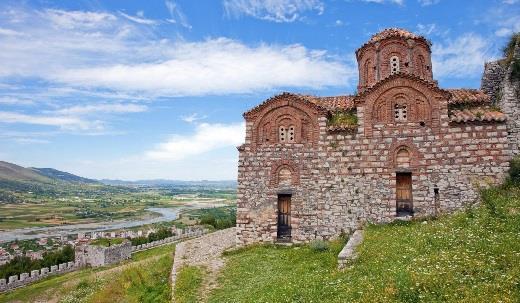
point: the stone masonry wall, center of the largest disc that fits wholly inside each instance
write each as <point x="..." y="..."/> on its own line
<point x="347" y="179"/>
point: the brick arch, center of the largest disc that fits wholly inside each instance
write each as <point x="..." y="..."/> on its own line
<point x="281" y="165"/>
<point x="414" y="154"/>
<point x="302" y="116"/>
<point x="418" y="106"/>
<point x="389" y="49"/>
<point x="427" y="101"/>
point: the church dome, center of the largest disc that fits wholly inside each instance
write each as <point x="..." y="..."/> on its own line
<point x="391" y="51"/>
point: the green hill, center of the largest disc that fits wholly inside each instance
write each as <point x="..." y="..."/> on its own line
<point x="63" y="176"/>
<point x="13" y="172"/>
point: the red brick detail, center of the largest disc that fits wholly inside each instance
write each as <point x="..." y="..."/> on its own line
<point x="424" y="104"/>
<point x="276" y="167"/>
<point x="415" y="155"/>
<point x="288" y="110"/>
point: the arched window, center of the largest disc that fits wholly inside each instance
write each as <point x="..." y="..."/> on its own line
<point x="286" y="134"/>
<point x="400" y="112"/>
<point x="282" y="134"/>
<point x="394" y="65"/>
<point x="290" y="134"/>
<point x="402" y="158"/>
<point x="285" y="176"/>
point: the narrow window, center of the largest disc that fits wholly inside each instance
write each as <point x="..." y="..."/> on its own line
<point x="282" y="134"/>
<point x="394" y="65"/>
<point x="400" y="112"/>
<point x="290" y="134"/>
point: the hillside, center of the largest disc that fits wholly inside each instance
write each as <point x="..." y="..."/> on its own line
<point x="470" y="256"/>
<point x="13" y="172"/>
<point x="62" y="176"/>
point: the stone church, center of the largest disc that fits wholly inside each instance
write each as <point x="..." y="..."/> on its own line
<point x="314" y="167"/>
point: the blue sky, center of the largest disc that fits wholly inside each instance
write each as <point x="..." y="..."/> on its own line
<point x="156" y="89"/>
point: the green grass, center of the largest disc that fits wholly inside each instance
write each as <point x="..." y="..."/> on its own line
<point x="189" y="280"/>
<point x="471" y="256"/>
<point x="107" y="242"/>
<point x="146" y="281"/>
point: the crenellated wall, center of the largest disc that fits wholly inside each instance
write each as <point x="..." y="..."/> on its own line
<point x="99" y="256"/>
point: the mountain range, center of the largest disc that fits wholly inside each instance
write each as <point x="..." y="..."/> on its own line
<point x="15" y="173"/>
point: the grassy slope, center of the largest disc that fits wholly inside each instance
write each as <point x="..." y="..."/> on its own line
<point x="189" y="281"/>
<point x="144" y="279"/>
<point x="472" y="256"/>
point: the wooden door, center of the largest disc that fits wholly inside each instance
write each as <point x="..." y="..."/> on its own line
<point x="404" y="193"/>
<point x="284" y="216"/>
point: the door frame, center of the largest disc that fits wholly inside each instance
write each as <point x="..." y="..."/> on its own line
<point x="407" y="211"/>
<point x="283" y="231"/>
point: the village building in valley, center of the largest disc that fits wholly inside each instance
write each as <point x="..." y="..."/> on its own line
<point x="314" y="167"/>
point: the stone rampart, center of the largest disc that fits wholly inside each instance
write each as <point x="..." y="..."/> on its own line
<point x="99" y="256"/>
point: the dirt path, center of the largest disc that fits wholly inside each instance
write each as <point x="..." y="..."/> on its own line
<point x="205" y="251"/>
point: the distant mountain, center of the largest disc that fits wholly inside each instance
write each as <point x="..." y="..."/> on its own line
<point x="63" y="176"/>
<point x="13" y="172"/>
<point x="165" y="182"/>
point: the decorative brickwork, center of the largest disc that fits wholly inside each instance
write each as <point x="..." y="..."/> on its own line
<point x="337" y="179"/>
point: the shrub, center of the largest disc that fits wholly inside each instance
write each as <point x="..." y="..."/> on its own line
<point x="343" y="118"/>
<point x="319" y="245"/>
<point x="514" y="171"/>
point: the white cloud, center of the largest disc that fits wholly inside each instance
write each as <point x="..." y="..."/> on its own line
<point x="207" y="137"/>
<point x="139" y="19"/>
<point x="77" y="19"/>
<point x="193" y="117"/>
<point x="218" y="66"/>
<point x="426" y="29"/>
<point x="9" y="32"/>
<point x="428" y="2"/>
<point x="102" y="108"/>
<point x="508" y="25"/>
<point x="398" y="2"/>
<point x="63" y="122"/>
<point x="272" y="10"/>
<point x="176" y="14"/>
<point x="510" y="1"/>
<point x="133" y="61"/>
<point x="462" y="57"/>
<point x="15" y="101"/>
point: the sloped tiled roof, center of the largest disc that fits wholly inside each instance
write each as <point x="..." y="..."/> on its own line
<point x="282" y="96"/>
<point x="332" y="103"/>
<point x="477" y="114"/>
<point x="466" y="95"/>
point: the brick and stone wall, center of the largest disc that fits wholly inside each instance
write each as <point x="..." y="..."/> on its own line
<point x="451" y="142"/>
<point x="347" y="179"/>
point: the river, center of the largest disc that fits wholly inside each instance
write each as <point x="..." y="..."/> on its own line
<point x="166" y="214"/>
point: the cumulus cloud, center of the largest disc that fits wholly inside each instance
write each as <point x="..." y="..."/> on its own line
<point x="134" y="61"/>
<point x="207" y="137"/>
<point x="460" y="57"/>
<point x="272" y="10"/>
<point x="218" y="66"/>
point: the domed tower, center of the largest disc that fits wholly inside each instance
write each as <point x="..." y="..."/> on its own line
<point x="393" y="51"/>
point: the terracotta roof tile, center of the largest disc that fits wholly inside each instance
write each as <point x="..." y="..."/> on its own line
<point x="477" y="114"/>
<point x="466" y="95"/>
<point x="393" y="32"/>
<point x="332" y="103"/>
